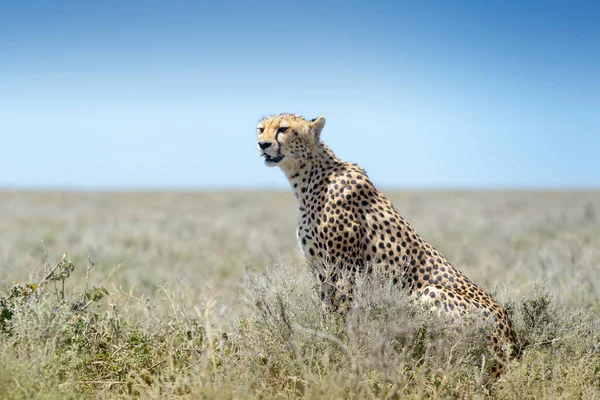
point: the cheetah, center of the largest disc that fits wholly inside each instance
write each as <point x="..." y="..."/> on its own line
<point x="346" y="222"/>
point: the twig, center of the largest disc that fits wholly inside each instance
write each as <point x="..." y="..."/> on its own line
<point x="47" y="264"/>
<point x="355" y="367"/>
<point x="90" y="265"/>
<point x="181" y="295"/>
<point x="49" y="274"/>
<point x="45" y="254"/>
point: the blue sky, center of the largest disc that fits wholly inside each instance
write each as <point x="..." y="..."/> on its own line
<point x="437" y="94"/>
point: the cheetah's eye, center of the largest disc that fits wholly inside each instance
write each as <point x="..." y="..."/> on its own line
<point x="260" y="130"/>
<point x="282" y="129"/>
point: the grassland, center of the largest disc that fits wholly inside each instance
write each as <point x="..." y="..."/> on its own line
<point x="207" y="297"/>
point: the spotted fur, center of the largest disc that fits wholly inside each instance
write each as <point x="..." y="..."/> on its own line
<point x="346" y="224"/>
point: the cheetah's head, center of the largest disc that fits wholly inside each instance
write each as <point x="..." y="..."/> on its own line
<point x="285" y="139"/>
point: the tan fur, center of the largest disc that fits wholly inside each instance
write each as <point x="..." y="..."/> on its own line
<point x="347" y="225"/>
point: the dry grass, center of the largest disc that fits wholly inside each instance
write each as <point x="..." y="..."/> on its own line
<point x="209" y="298"/>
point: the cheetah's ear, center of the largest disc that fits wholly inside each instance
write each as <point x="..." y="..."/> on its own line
<point x="316" y="125"/>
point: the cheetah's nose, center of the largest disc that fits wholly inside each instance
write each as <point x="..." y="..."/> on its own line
<point x="264" y="145"/>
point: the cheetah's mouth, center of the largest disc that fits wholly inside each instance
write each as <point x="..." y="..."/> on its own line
<point x="272" y="160"/>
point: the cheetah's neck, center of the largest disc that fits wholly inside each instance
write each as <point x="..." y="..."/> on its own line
<point x="304" y="174"/>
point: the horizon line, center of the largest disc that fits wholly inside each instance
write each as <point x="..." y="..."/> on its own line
<point x="283" y="188"/>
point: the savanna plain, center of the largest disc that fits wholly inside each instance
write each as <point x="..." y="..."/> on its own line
<point x="204" y="295"/>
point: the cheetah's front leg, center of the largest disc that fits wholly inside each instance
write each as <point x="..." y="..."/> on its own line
<point x="335" y="289"/>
